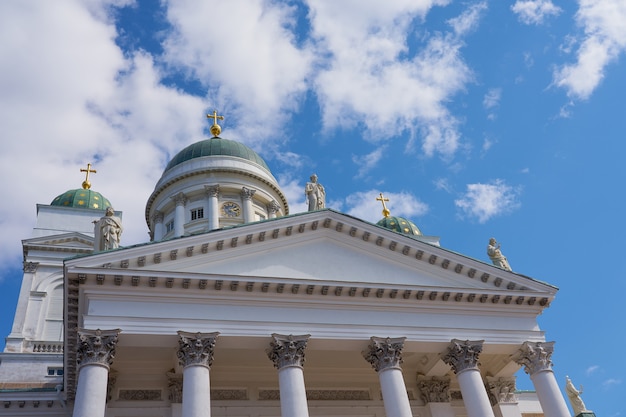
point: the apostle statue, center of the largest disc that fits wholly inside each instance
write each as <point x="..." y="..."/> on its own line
<point x="574" y="397"/>
<point x="315" y="194"/>
<point x="498" y="259"/>
<point x="108" y="231"/>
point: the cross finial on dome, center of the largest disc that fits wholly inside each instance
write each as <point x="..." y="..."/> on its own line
<point x="86" y="183"/>
<point x="382" y="199"/>
<point x="215" y="129"/>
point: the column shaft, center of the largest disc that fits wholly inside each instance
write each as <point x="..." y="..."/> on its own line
<point x="196" y="389"/>
<point x="213" y="210"/>
<point x="395" y="398"/>
<point x="474" y="394"/>
<point x="549" y="394"/>
<point x="292" y="392"/>
<point x="91" y="391"/>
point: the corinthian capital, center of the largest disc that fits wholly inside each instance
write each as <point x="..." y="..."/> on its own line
<point x="212" y="190"/>
<point x="180" y="199"/>
<point x="463" y="354"/>
<point x="535" y="356"/>
<point x="287" y="350"/>
<point x="384" y="353"/>
<point x="434" y="390"/>
<point x="196" y="348"/>
<point x="247" y="193"/>
<point x="96" y="347"/>
<point x="501" y="390"/>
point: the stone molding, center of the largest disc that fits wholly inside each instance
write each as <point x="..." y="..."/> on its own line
<point x="535" y="356"/>
<point x="196" y="348"/>
<point x="501" y="390"/>
<point x="228" y="394"/>
<point x="287" y="350"/>
<point x="434" y="390"/>
<point x="139" y="395"/>
<point x="463" y="355"/>
<point x="96" y="347"/>
<point x="384" y="353"/>
<point x="320" y="395"/>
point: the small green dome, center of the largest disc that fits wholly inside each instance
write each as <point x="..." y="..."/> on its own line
<point x="82" y="198"/>
<point x="216" y="147"/>
<point x="400" y="225"/>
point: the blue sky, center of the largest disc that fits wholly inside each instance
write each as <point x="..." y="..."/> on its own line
<point x="476" y="119"/>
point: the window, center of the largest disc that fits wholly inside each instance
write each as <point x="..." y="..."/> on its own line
<point x="197" y="213"/>
<point x="169" y="226"/>
<point x="54" y="371"/>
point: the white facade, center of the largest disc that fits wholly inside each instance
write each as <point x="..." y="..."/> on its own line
<point x="316" y="314"/>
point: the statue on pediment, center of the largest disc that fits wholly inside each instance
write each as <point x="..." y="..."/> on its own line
<point x="496" y="256"/>
<point x="315" y="194"/>
<point x="574" y="397"/>
<point x="108" y="231"/>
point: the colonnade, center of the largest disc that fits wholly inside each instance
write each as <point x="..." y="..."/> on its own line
<point x="211" y="209"/>
<point x="96" y="351"/>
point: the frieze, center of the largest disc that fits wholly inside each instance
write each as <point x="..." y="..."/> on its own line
<point x="229" y="394"/>
<point x="140" y="395"/>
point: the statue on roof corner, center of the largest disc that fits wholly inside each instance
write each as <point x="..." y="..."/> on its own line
<point x="315" y="194"/>
<point x="496" y="256"/>
<point x="107" y="231"/>
<point x="574" y="397"/>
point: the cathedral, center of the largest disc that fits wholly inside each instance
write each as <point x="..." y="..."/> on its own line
<point x="238" y="307"/>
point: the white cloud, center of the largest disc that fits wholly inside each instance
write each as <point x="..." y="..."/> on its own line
<point x="609" y="383"/>
<point x="602" y="41"/>
<point x="70" y="97"/>
<point x="592" y="369"/>
<point x="484" y="201"/>
<point x="365" y="61"/>
<point x="492" y="98"/>
<point x="369" y="161"/>
<point x="468" y="20"/>
<point x="442" y="184"/>
<point x="258" y="70"/>
<point x="364" y="205"/>
<point x="535" y="12"/>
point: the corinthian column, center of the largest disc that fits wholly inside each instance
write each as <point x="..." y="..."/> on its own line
<point x="535" y="357"/>
<point x="287" y="353"/>
<point x="180" y="200"/>
<point x="195" y="355"/>
<point x="385" y="356"/>
<point x="462" y="356"/>
<point x="212" y="192"/>
<point x="94" y="356"/>
<point x="248" y="211"/>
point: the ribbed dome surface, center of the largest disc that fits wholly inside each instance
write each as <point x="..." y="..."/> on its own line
<point x="216" y="147"/>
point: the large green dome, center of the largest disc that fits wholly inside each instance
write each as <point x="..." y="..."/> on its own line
<point x="216" y="147"/>
<point x="400" y="225"/>
<point x="82" y="198"/>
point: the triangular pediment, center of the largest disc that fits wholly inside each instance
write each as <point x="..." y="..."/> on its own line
<point x="317" y="248"/>
<point x="72" y="242"/>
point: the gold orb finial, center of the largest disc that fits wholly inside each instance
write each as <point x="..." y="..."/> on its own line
<point x="215" y="128"/>
<point x="86" y="184"/>
<point x="382" y="199"/>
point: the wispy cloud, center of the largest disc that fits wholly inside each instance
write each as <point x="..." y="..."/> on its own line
<point x="535" y="12"/>
<point x="592" y="369"/>
<point x="484" y="201"/>
<point x="491" y="101"/>
<point x="609" y="383"/>
<point x="602" y="41"/>
<point x="369" y="161"/>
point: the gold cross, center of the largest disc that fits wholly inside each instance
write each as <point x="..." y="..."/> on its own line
<point x="86" y="183"/>
<point x="382" y="199"/>
<point x="215" y="129"/>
